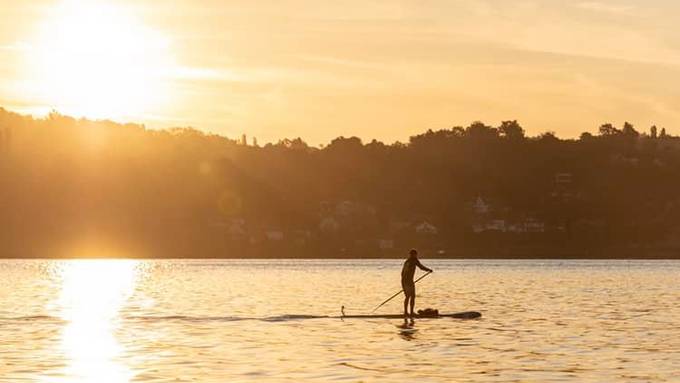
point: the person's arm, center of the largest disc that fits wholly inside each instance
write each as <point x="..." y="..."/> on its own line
<point x="421" y="267"/>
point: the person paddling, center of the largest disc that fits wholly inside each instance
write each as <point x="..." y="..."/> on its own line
<point x="407" y="283"/>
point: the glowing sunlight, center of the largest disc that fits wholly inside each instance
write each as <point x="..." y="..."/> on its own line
<point x="359" y="191"/>
<point x="95" y="59"/>
<point x="93" y="292"/>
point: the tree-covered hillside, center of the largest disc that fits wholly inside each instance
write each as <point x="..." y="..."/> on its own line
<point x="95" y="188"/>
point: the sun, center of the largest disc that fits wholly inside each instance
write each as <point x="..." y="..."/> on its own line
<point x="95" y="59"/>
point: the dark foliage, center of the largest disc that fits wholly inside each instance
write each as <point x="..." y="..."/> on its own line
<point x="69" y="184"/>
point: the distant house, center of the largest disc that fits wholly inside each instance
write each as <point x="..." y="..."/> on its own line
<point x="386" y="244"/>
<point x="492" y="225"/>
<point x="426" y="228"/>
<point x="477" y="228"/>
<point x="274" y="235"/>
<point x="344" y="208"/>
<point x="480" y="207"/>
<point x="303" y="233"/>
<point x="349" y="208"/>
<point x="325" y="208"/>
<point x="301" y="237"/>
<point x="529" y="225"/>
<point x="562" y="188"/>
<point x="533" y="225"/>
<point x="563" y="178"/>
<point x="237" y="228"/>
<point x="516" y="228"/>
<point x="496" y="225"/>
<point x="329" y="225"/>
<point x="399" y="225"/>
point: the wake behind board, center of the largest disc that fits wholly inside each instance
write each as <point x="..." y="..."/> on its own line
<point x="461" y="315"/>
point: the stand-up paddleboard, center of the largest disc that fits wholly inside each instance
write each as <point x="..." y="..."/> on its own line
<point x="461" y="315"/>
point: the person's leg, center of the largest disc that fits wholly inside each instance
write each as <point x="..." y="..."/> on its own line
<point x="406" y="298"/>
<point x="413" y="303"/>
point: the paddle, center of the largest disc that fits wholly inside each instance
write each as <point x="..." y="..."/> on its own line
<point x="400" y="291"/>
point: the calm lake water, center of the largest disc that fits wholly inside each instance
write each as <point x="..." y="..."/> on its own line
<point x="235" y="320"/>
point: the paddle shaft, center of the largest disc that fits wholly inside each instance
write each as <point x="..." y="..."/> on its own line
<point x="400" y="291"/>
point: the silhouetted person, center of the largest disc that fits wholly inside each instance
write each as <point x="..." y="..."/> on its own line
<point x="407" y="283"/>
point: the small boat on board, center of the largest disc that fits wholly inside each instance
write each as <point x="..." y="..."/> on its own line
<point x="422" y="314"/>
<point x="460" y="315"/>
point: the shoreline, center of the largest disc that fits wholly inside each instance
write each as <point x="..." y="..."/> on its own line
<point x="514" y="258"/>
<point x="270" y="251"/>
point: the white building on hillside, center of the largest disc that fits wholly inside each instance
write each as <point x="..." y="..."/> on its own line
<point x="426" y="228"/>
<point x="480" y="207"/>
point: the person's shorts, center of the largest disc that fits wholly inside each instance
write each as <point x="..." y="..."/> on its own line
<point x="409" y="289"/>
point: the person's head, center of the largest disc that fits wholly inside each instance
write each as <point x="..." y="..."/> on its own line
<point x="413" y="253"/>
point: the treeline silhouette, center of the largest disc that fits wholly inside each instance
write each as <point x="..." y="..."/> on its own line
<point x="74" y="187"/>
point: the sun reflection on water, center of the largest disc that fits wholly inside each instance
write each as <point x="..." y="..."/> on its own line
<point x="92" y="294"/>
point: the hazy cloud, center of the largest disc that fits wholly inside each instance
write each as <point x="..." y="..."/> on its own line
<point x="609" y="7"/>
<point x="16" y="47"/>
<point x="388" y="69"/>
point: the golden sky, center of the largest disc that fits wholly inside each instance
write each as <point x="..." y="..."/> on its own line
<point x="382" y="69"/>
